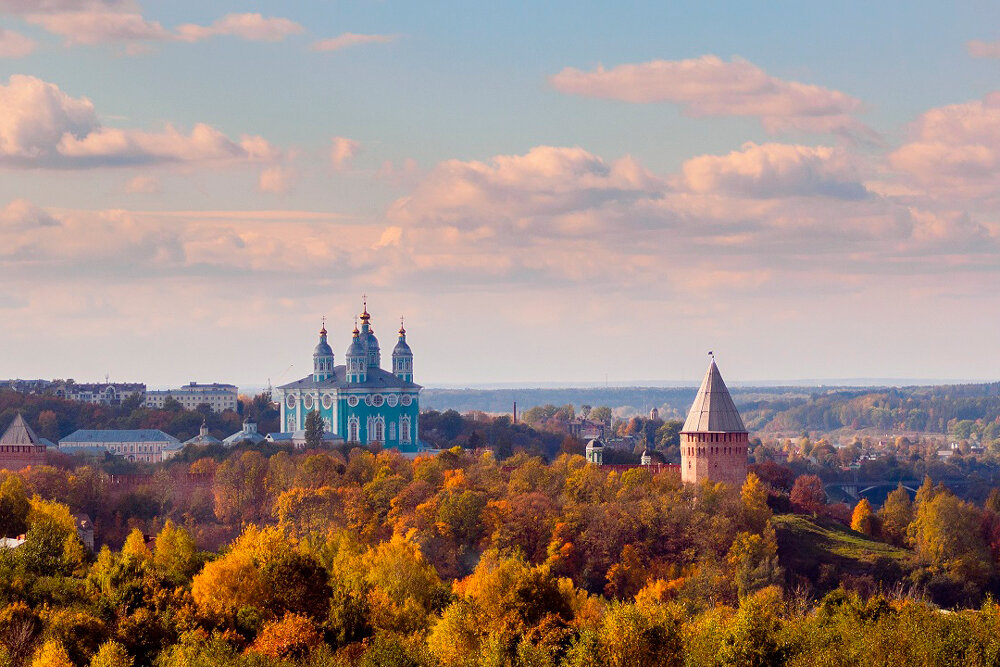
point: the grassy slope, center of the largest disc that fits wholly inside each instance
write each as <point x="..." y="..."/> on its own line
<point x="805" y="545"/>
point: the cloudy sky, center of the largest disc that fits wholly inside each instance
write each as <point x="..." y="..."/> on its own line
<point x="559" y="191"/>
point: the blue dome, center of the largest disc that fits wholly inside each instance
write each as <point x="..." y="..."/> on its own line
<point x="323" y="349"/>
<point x="401" y="349"/>
<point x="356" y="349"/>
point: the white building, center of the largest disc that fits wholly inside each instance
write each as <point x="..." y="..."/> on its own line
<point x="147" y="445"/>
<point x="219" y="397"/>
<point x="247" y="434"/>
<point x="107" y="393"/>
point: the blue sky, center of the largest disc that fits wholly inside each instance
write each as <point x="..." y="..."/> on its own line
<point x="549" y="191"/>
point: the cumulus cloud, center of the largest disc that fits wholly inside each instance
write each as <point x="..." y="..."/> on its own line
<point x="252" y="27"/>
<point x="547" y="180"/>
<point x="710" y="86"/>
<point x="276" y="180"/>
<point x="42" y="126"/>
<point x="349" y="39"/>
<point x="15" y="45"/>
<point x="763" y="213"/>
<point x="342" y="152"/>
<point x="955" y="147"/>
<point x="776" y="170"/>
<point x="980" y="49"/>
<point x="21" y="214"/>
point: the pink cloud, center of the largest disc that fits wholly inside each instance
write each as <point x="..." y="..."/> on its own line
<point x="349" y="39"/>
<point x="252" y="27"/>
<point x="15" y="45"/>
<point x="342" y="152"/>
<point x="980" y="49"/>
<point x="143" y="185"/>
<point x="955" y="148"/>
<point x="710" y="86"/>
<point x="21" y="214"/>
<point x="276" y="180"/>
<point x="41" y="126"/>
<point x="99" y="27"/>
<point x="776" y="170"/>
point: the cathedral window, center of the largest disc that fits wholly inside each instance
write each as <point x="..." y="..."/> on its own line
<point x="392" y="431"/>
<point x="352" y="430"/>
<point x="404" y="429"/>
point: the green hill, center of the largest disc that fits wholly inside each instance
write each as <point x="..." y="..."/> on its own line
<point x="826" y="554"/>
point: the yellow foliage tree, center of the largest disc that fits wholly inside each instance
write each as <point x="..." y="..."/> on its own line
<point x="111" y="654"/>
<point x="862" y="519"/>
<point x="51" y="654"/>
<point x="52" y="510"/>
<point x="234" y="581"/>
<point x="135" y="547"/>
<point x="753" y="495"/>
<point x="291" y="638"/>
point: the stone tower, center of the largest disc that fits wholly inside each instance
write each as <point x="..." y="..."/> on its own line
<point x="714" y="440"/>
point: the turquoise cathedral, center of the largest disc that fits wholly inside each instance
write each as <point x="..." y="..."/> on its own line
<point x="358" y="401"/>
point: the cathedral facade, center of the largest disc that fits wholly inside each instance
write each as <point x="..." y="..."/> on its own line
<point x="358" y="401"/>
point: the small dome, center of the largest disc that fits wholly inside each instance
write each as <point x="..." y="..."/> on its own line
<point x="323" y="349"/>
<point x="356" y="349"/>
<point x="595" y="444"/>
<point x="402" y="349"/>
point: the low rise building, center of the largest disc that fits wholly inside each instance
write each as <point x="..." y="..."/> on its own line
<point x="203" y="438"/>
<point x="147" y="445"/>
<point x="106" y="393"/>
<point x="219" y="397"/>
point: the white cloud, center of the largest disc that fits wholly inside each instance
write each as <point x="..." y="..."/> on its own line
<point x="15" y="45"/>
<point x="349" y="39"/>
<point x="710" y="86"/>
<point x="41" y="126"/>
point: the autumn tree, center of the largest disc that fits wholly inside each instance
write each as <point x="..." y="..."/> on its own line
<point x="239" y="488"/>
<point x="896" y="515"/>
<point x="14" y="506"/>
<point x="947" y="533"/>
<point x="808" y="495"/>
<point x="863" y="519"/>
<point x="174" y="554"/>
<point x="753" y="496"/>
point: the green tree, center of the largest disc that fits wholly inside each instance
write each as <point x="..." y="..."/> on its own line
<point x="314" y="430"/>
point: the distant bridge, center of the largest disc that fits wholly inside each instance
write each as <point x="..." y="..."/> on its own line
<point x="857" y="489"/>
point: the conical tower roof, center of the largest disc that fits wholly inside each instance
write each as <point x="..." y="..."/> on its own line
<point x="713" y="409"/>
<point x="19" y="433"/>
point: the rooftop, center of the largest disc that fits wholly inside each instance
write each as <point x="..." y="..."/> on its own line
<point x="19" y="433"/>
<point x="713" y="410"/>
<point x="85" y="436"/>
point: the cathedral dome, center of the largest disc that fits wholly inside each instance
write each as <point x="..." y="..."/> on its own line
<point x="357" y="348"/>
<point x="323" y="349"/>
<point x="401" y="349"/>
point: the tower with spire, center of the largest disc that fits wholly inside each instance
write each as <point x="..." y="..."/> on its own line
<point x="322" y="357"/>
<point x="358" y="401"/>
<point x="714" y="440"/>
<point x="402" y="357"/>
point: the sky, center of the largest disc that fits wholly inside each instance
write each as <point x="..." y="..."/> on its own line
<point x="548" y="192"/>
